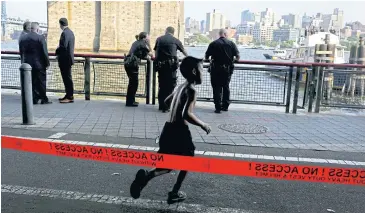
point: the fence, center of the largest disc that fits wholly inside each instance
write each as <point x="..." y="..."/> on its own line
<point x="92" y="75"/>
<point x="343" y="88"/>
<point x="253" y="82"/>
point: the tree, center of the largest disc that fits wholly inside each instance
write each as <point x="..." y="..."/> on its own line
<point x="202" y="39"/>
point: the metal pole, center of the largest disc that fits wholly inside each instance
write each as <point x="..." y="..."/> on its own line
<point x="296" y="90"/>
<point x="153" y="83"/>
<point x="319" y="92"/>
<point x="26" y="93"/>
<point x="148" y="80"/>
<point x="288" y="94"/>
<point x="87" y="78"/>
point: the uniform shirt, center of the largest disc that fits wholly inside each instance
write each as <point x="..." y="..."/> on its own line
<point x="140" y="49"/>
<point x="166" y="47"/>
<point x="222" y="51"/>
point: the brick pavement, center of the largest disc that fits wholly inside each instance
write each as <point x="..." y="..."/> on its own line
<point x="112" y="118"/>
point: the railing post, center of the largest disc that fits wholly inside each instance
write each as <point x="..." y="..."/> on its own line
<point x="148" y="81"/>
<point x="288" y="94"/>
<point x="311" y="87"/>
<point x="87" y="78"/>
<point x="319" y="89"/>
<point x="153" y="84"/>
<point x="296" y="90"/>
<point x="26" y="93"/>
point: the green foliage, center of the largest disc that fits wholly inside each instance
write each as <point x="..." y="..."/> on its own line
<point x="202" y="39"/>
<point x="348" y="44"/>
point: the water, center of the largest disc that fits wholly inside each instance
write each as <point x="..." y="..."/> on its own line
<point x="199" y="52"/>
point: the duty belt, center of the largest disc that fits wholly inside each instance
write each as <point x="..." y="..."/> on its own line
<point x="226" y="66"/>
<point x="168" y="61"/>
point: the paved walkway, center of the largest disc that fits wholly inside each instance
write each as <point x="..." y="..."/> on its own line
<point x="271" y="129"/>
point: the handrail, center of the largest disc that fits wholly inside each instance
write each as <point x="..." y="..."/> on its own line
<point x="288" y="64"/>
<point x="83" y="55"/>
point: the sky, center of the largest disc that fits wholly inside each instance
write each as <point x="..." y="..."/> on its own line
<point x="353" y="10"/>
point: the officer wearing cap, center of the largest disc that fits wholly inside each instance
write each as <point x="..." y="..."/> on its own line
<point x="222" y="52"/>
<point x="65" y="57"/>
<point x="167" y="63"/>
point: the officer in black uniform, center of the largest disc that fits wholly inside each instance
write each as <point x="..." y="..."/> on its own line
<point x="167" y="63"/>
<point x="140" y="49"/>
<point x="222" y="52"/>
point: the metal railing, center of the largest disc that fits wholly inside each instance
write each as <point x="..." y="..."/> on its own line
<point x="343" y="88"/>
<point x="253" y="82"/>
<point x="92" y="75"/>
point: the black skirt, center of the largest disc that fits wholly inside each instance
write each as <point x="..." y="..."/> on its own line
<point x="175" y="139"/>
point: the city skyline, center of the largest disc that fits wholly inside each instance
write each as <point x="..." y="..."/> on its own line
<point x="37" y="10"/>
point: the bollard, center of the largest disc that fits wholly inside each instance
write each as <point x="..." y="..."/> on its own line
<point x="27" y="93"/>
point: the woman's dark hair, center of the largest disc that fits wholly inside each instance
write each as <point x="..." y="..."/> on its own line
<point x="142" y="35"/>
<point x="136" y="37"/>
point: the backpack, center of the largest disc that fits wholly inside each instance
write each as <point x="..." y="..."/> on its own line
<point x="131" y="61"/>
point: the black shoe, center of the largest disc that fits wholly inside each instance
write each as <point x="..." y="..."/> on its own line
<point x="165" y="110"/>
<point x="46" y="102"/>
<point x="225" y="109"/>
<point x="174" y="197"/>
<point x="217" y="111"/>
<point x="35" y="101"/>
<point x="61" y="99"/>
<point x="139" y="183"/>
<point x="135" y="104"/>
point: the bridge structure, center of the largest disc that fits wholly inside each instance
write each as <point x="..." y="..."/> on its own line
<point x="11" y="25"/>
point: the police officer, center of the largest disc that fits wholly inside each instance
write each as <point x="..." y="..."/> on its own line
<point x="167" y="63"/>
<point x="222" y="52"/>
<point x="139" y="50"/>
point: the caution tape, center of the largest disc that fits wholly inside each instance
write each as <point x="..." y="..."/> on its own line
<point x="351" y="176"/>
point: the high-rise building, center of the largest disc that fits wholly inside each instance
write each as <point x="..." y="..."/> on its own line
<point x="286" y="34"/>
<point x="333" y="21"/>
<point x="187" y="22"/>
<point x="215" y="20"/>
<point x="306" y="21"/>
<point x="268" y="17"/>
<point x="202" y="26"/>
<point x="263" y="32"/>
<point x="192" y="25"/>
<point x="292" y="20"/>
<point x="248" y="16"/>
<point x="228" y="24"/>
<point x="338" y="21"/>
<point x="281" y="23"/>
<point x="246" y="28"/>
<point x="327" y="22"/>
